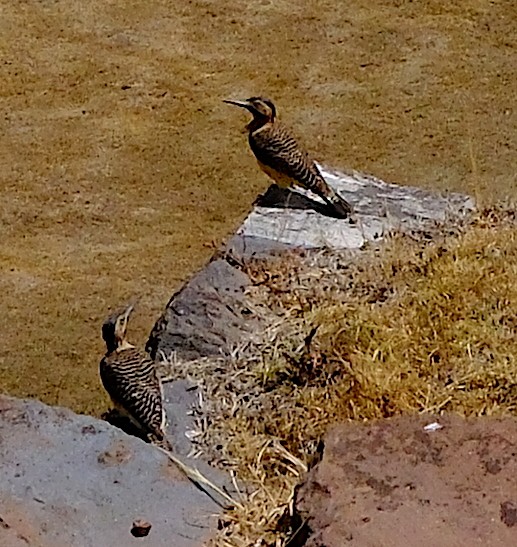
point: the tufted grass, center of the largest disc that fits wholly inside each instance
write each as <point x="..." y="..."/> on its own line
<point x="416" y="325"/>
<point x="120" y="165"/>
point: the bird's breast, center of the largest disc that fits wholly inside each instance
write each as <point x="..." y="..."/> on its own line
<point x="283" y="180"/>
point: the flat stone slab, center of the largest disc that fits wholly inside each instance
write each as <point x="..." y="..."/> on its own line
<point x="298" y="219"/>
<point x="68" y="480"/>
<point x="208" y="316"/>
<point x="405" y="481"/>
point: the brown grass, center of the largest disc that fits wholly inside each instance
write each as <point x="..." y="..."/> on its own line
<point x="412" y="326"/>
<point x="119" y="165"/>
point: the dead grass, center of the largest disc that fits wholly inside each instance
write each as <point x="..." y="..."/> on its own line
<point x="416" y="325"/>
<point x="119" y="164"/>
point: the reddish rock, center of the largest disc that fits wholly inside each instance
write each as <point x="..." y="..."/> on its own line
<point x="393" y="484"/>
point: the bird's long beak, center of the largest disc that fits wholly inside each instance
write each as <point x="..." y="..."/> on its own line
<point x="242" y="104"/>
<point x="128" y="311"/>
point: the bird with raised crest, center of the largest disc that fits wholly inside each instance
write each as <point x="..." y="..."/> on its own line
<point x="282" y="158"/>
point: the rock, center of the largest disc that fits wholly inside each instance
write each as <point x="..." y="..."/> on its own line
<point x="298" y="219"/>
<point x="208" y="316"/>
<point x="180" y="397"/>
<point x="392" y="483"/>
<point x="70" y="480"/>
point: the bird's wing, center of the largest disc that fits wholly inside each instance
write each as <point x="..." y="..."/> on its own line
<point x="130" y="379"/>
<point x="276" y="148"/>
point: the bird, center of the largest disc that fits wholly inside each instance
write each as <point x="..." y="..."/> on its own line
<point x="129" y="376"/>
<point x="282" y="158"/>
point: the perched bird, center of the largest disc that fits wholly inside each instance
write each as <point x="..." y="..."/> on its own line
<point x="282" y="158"/>
<point x="129" y="376"/>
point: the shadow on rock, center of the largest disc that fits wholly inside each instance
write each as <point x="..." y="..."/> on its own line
<point x="116" y="419"/>
<point x="285" y="198"/>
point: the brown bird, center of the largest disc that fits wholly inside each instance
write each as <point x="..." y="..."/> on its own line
<point x="282" y="158"/>
<point x="129" y="376"/>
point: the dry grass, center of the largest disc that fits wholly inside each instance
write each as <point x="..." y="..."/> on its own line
<point x="416" y="325"/>
<point x="119" y="164"/>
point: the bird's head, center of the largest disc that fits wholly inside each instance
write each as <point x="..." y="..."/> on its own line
<point x="263" y="110"/>
<point x="115" y="327"/>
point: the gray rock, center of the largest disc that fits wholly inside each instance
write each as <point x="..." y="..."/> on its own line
<point x="299" y="219"/>
<point x="208" y="316"/>
<point x="181" y="396"/>
<point x="69" y="480"/>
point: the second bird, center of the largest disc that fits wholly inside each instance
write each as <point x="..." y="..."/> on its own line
<point x="129" y="376"/>
<point x="282" y="158"/>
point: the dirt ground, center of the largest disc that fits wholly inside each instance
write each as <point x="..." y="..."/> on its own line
<point x="120" y="168"/>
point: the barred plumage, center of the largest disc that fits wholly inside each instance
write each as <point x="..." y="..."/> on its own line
<point x="282" y="158"/>
<point x="129" y="376"/>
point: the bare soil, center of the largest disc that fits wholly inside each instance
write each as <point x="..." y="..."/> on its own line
<point x="120" y="168"/>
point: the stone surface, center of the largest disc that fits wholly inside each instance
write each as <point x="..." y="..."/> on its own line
<point x="69" y="480"/>
<point x="208" y="316"/>
<point x="181" y="396"/>
<point x="393" y="483"/>
<point x="298" y="219"/>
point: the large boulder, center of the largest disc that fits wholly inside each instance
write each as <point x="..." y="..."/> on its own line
<point x="68" y="480"/>
<point x="397" y="483"/>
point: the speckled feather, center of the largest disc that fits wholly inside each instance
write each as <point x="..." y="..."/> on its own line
<point x="129" y="377"/>
<point x="282" y="158"/>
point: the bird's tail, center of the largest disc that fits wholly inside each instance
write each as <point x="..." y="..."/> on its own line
<point x="161" y="441"/>
<point x="339" y="205"/>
